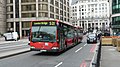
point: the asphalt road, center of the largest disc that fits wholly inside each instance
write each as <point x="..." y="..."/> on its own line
<point x="78" y="56"/>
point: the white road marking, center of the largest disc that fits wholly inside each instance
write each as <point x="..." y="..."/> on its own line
<point x="85" y="44"/>
<point x="92" y="59"/>
<point x="95" y="54"/>
<point x="59" y="64"/>
<point x="78" y="49"/>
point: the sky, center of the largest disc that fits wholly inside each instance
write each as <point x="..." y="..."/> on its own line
<point x="73" y="1"/>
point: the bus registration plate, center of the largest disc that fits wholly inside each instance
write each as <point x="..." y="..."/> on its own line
<point x="43" y="50"/>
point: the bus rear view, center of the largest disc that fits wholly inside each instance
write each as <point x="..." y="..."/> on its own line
<point x="43" y="36"/>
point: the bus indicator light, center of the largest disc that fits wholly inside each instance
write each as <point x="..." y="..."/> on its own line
<point x="46" y="44"/>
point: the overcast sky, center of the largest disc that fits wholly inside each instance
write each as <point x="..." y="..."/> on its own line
<point x="73" y="1"/>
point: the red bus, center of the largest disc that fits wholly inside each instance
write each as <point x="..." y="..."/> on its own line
<point x="52" y="36"/>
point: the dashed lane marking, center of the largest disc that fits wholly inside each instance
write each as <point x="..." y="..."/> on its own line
<point x="78" y="49"/>
<point x="85" y="45"/>
<point x="59" y="64"/>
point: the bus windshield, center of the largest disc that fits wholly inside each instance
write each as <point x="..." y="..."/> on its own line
<point x="44" y="33"/>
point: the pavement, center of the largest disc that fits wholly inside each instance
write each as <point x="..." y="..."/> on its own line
<point x="15" y="49"/>
<point x="110" y="57"/>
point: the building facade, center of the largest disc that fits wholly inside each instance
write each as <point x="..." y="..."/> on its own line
<point x="116" y="16"/>
<point x="91" y="14"/>
<point x="21" y="12"/>
<point x="2" y="16"/>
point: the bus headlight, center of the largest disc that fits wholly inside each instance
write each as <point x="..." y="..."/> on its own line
<point x="54" y="47"/>
<point x="32" y="47"/>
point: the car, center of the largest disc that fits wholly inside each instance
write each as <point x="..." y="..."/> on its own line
<point x="92" y="38"/>
<point x="117" y="34"/>
<point x="11" y="36"/>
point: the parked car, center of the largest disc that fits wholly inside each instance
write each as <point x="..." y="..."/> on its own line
<point x="117" y="34"/>
<point x="11" y="36"/>
<point x="91" y="38"/>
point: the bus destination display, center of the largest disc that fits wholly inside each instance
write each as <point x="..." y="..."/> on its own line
<point x="44" y="23"/>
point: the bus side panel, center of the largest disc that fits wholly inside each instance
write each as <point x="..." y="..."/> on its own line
<point x="69" y="41"/>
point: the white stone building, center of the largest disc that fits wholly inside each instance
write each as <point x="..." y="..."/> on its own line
<point x="2" y="16"/>
<point x="91" y="14"/>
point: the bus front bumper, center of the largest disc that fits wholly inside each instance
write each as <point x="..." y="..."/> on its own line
<point x="43" y="50"/>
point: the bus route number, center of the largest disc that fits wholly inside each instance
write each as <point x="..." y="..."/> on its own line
<point x="52" y="23"/>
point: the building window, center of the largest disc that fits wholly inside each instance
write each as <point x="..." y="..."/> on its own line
<point x="52" y="2"/>
<point x="64" y="19"/>
<point x="67" y="3"/>
<point x="57" y="17"/>
<point x="82" y="13"/>
<point x="61" y="1"/>
<point x="9" y="1"/>
<point x="115" y="6"/>
<point x="116" y="20"/>
<point x="65" y="8"/>
<point x="10" y="25"/>
<point x="57" y="10"/>
<point x="51" y="8"/>
<point x="25" y="24"/>
<point x="64" y="1"/>
<point x="51" y="15"/>
<point x="28" y="7"/>
<point x="9" y="8"/>
<point x="56" y="3"/>
<point x="102" y="4"/>
<point x="43" y="7"/>
<point x="61" y="18"/>
<point x="99" y="8"/>
<point x="95" y="8"/>
<point x="68" y="9"/>
<point x="102" y="8"/>
<point x="61" y="6"/>
<point x="16" y="8"/>
<point x="25" y="1"/>
<point x="65" y="13"/>
<point x="28" y="15"/>
<point x="68" y="14"/>
<point x="10" y="16"/>
<point x="61" y="12"/>
<point x="43" y="14"/>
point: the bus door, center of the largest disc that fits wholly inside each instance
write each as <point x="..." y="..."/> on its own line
<point x="61" y="38"/>
<point x="76" y="36"/>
